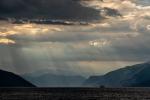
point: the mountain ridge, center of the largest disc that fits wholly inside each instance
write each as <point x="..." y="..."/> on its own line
<point x="130" y="76"/>
<point x="9" y="79"/>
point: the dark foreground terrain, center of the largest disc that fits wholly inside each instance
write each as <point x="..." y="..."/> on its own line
<point x="8" y="79"/>
<point x="74" y="94"/>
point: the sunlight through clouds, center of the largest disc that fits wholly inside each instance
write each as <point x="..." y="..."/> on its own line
<point x="148" y="27"/>
<point x="119" y="37"/>
<point x="6" y="41"/>
<point x="100" y="43"/>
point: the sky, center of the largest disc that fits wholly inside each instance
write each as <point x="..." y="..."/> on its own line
<point x="117" y="35"/>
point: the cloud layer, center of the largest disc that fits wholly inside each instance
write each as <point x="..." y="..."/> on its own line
<point x="51" y="9"/>
<point x="111" y="42"/>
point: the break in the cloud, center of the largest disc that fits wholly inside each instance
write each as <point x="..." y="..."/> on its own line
<point x="120" y="40"/>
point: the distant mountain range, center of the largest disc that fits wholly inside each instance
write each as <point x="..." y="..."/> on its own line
<point x="131" y="76"/>
<point x="8" y="79"/>
<point x="52" y="79"/>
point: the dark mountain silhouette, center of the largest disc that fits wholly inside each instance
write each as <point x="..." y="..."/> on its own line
<point x="8" y="79"/>
<point x="131" y="76"/>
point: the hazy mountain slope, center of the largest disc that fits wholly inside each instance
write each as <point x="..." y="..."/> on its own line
<point x="136" y="76"/>
<point x="55" y="80"/>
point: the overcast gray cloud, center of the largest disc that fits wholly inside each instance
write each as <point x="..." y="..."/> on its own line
<point x="123" y="39"/>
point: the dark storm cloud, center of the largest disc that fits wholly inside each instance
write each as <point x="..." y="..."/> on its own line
<point x="52" y="9"/>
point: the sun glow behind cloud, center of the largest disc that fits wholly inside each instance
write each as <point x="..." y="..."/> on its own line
<point x="29" y="30"/>
<point x="100" y="43"/>
<point x="6" y="41"/>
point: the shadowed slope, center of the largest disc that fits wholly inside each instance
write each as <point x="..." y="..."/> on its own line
<point x="8" y="79"/>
